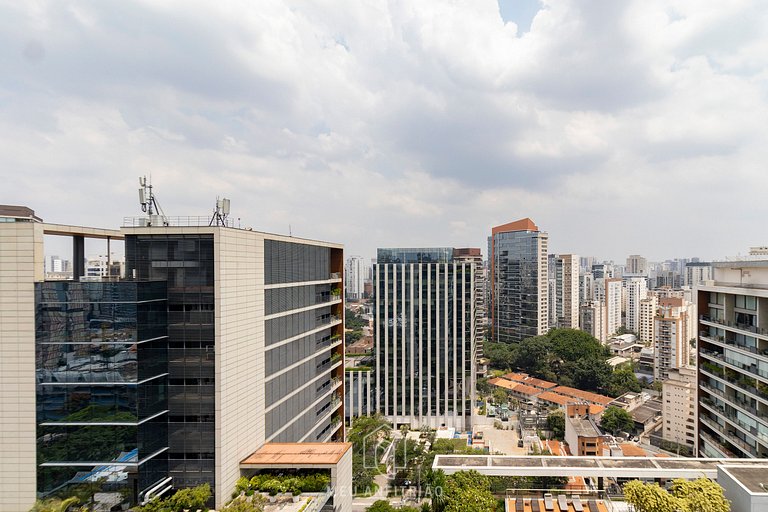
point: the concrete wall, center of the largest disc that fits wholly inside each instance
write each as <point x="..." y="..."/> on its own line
<point x="21" y="264"/>
<point x="239" y="290"/>
<point x="341" y="480"/>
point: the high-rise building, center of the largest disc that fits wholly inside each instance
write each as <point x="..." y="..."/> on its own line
<point x="355" y="274"/>
<point x="697" y="272"/>
<point x="672" y="334"/>
<point x="592" y="319"/>
<point x="474" y="256"/>
<point x="679" y="422"/>
<point x="586" y="287"/>
<point x="424" y="324"/>
<point x="637" y="291"/>
<point x="566" y="303"/>
<point x="733" y="360"/>
<point x="220" y="343"/>
<point x="648" y="307"/>
<point x="518" y="281"/>
<point x="636" y="265"/>
<point x="611" y="297"/>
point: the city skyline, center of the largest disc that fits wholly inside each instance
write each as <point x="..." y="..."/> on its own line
<point x="612" y="124"/>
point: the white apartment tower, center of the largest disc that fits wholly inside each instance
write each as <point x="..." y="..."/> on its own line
<point x="637" y="291"/>
<point x="648" y="307"/>
<point x="636" y="265"/>
<point x="592" y="319"/>
<point x="611" y="295"/>
<point x="355" y="273"/>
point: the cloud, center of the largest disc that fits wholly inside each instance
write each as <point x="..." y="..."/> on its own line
<point x="617" y="126"/>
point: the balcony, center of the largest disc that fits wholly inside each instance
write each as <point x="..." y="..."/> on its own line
<point x="744" y="327"/>
<point x="729" y="436"/>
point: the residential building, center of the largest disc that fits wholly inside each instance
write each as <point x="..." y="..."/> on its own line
<point x="602" y="270"/>
<point x="355" y="273"/>
<point x="592" y="319"/>
<point x="697" y="272"/>
<point x="582" y="434"/>
<point x="733" y="360"/>
<point x="672" y="335"/>
<point x="424" y="328"/>
<point x="679" y="408"/>
<point x="219" y="343"/>
<point x="566" y="301"/>
<point x="473" y="256"/>
<point x="518" y="281"/>
<point x="636" y="265"/>
<point x="647" y="320"/>
<point x="586" y="291"/>
<point x="637" y="291"/>
<point x="610" y="293"/>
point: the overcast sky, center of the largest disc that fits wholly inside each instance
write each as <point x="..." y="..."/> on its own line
<point x="618" y="126"/>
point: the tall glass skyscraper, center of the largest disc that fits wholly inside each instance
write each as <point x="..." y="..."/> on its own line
<point x="425" y="324"/>
<point x="517" y="254"/>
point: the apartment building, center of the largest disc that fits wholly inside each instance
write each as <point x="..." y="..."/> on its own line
<point x="679" y="421"/>
<point x="672" y="335"/>
<point x="566" y="302"/>
<point x="637" y="291"/>
<point x="645" y="330"/>
<point x="733" y="360"/>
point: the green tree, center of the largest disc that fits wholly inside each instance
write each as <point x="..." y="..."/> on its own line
<point x="701" y="495"/>
<point x="55" y="505"/>
<point x="534" y="356"/>
<point x="649" y="497"/>
<point x="501" y="355"/>
<point x="556" y="423"/>
<point x="623" y="380"/>
<point x="500" y="396"/>
<point x="616" y="419"/>
<point x="468" y="491"/>
<point x="385" y="506"/>
<point x="591" y="374"/>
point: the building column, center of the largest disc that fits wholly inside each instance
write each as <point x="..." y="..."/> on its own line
<point x="78" y="257"/>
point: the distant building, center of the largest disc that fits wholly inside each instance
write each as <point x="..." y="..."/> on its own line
<point x="592" y="319"/>
<point x="636" y="265"/>
<point x="473" y="256"/>
<point x="425" y="346"/>
<point x="518" y="281"/>
<point x="355" y="273"/>
<point x="586" y="292"/>
<point x="566" y="301"/>
<point x="648" y="307"/>
<point x="637" y="291"/>
<point x="610" y="293"/>
<point x="672" y="334"/>
<point x="696" y="273"/>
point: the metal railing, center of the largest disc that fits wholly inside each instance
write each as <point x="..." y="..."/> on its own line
<point x="177" y="221"/>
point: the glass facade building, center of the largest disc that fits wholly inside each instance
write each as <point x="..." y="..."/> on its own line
<point x="424" y="321"/>
<point x="102" y="390"/>
<point x="518" y="281"/>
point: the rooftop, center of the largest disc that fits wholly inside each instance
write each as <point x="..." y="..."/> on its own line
<point x="557" y="503"/>
<point x="754" y="478"/>
<point x="531" y="381"/>
<point x="584" y="427"/>
<point x="556" y="398"/>
<point x="296" y="454"/>
<point x="525" y="224"/>
<point x="584" y="395"/>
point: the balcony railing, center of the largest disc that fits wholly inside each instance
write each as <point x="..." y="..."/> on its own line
<point x="744" y="327"/>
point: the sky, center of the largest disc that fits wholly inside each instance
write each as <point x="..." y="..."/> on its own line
<point x="632" y="127"/>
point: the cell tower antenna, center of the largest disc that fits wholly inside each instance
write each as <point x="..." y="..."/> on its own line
<point x="149" y="205"/>
<point x="220" y="213"/>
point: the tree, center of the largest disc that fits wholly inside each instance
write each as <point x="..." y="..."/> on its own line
<point x="55" y="504"/>
<point x="556" y="423"/>
<point x="501" y="355"/>
<point x="500" y="396"/>
<point x="534" y="355"/>
<point x="591" y="374"/>
<point x="385" y="506"/>
<point x="623" y="380"/>
<point x="191" y="498"/>
<point x="616" y="419"/>
<point x="701" y="495"/>
<point x="649" y="497"/>
<point x="468" y="491"/>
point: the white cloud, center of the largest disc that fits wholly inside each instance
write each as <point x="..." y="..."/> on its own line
<point x="617" y="126"/>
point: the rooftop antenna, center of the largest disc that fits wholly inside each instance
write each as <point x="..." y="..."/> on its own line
<point x="155" y="214"/>
<point x="220" y="213"/>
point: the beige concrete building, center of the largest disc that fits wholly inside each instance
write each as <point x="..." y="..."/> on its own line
<point x="679" y="419"/>
<point x="566" y="302"/>
<point x="592" y="319"/>
<point x="648" y="307"/>
<point x="636" y="292"/>
<point x="672" y="335"/>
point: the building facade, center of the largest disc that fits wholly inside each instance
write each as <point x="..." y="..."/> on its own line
<point x="637" y="291"/>
<point x="648" y="307"/>
<point x="518" y="281"/>
<point x="679" y="422"/>
<point x="592" y="319"/>
<point x="733" y="360"/>
<point x="220" y="341"/>
<point x="672" y="335"/>
<point x="566" y="301"/>
<point x="636" y="265"/>
<point x="355" y="274"/>
<point x="473" y="255"/>
<point x="424" y="324"/>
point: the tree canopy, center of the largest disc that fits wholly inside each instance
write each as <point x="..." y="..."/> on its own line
<point x="616" y="419"/>
<point x="702" y="495"/>
<point x="467" y="491"/>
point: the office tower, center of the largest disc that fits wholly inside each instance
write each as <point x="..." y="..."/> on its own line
<point x="566" y="303"/>
<point x="585" y="264"/>
<point x="518" y="281"/>
<point x="637" y="291"/>
<point x="357" y="399"/>
<point x="648" y="307"/>
<point x="636" y="265"/>
<point x="611" y="295"/>
<point x="424" y="337"/>
<point x="474" y="256"/>
<point x="697" y="272"/>
<point x="672" y="335"/>
<point x="219" y="343"/>
<point x="733" y="360"/>
<point x="602" y="270"/>
<point x="679" y="422"/>
<point x="355" y="274"/>
<point x="592" y="319"/>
